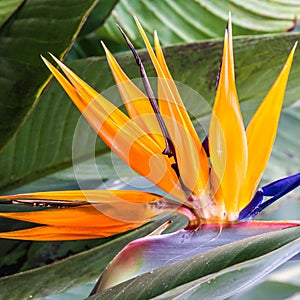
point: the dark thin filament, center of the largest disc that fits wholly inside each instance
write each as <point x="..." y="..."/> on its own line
<point x="170" y="149"/>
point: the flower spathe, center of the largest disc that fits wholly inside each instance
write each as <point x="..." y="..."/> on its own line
<point x="216" y="183"/>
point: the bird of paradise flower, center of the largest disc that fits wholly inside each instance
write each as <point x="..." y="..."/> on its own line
<point x="214" y="182"/>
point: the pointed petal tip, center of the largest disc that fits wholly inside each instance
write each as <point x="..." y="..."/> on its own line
<point x="228" y="28"/>
<point x="104" y="47"/>
<point x="291" y="56"/>
<point x="229" y="18"/>
<point x="156" y="40"/>
<point x="226" y="35"/>
<point x="137" y="22"/>
<point x="44" y="59"/>
<point x="48" y="64"/>
<point x="56" y="60"/>
<point x="132" y="12"/>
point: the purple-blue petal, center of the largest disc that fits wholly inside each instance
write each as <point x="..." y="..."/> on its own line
<point x="275" y="190"/>
<point x="246" y="213"/>
<point x="282" y="186"/>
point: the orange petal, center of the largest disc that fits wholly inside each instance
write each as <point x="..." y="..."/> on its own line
<point x="90" y="196"/>
<point x="52" y="233"/>
<point x="111" y="208"/>
<point x="120" y="133"/>
<point x="192" y="160"/>
<point x="261" y="132"/>
<point x="137" y="103"/>
<point x="227" y="138"/>
<point x="114" y="215"/>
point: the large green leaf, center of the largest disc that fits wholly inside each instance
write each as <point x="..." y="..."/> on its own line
<point x="67" y="273"/>
<point x="87" y="38"/>
<point x="33" y="28"/>
<point x="271" y="290"/>
<point x="44" y="144"/>
<point x="240" y="277"/>
<point x="281" y="284"/>
<point x="36" y="27"/>
<point x="98" y="16"/>
<point x="184" y="21"/>
<point x="7" y="8"/>
<point x="152" y="252"/>
<point x="208" y="274"/>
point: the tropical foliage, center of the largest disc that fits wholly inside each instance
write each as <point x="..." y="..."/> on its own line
<point x="38" y="124"/>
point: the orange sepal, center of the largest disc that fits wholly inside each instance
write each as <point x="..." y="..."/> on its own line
<point x="137" y="103"/>
<point x="53" y="233"/>
<point x="261" y="132"/>
<point x="227" y="138"/>
<point x="192" y="159"/>
<point x="89" y="196"/>
<point x="122" y="135"/>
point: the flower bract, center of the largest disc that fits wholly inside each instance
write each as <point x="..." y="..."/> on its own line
<point x="213" y="182"/>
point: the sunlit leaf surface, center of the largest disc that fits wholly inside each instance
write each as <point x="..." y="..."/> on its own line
<point x="190" y="21"/>
<point x="7" y="8"/>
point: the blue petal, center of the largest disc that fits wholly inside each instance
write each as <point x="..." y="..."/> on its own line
<point x="245" y="213"/>
<point x="275" y="190"/>
<point x="282" y="186"/>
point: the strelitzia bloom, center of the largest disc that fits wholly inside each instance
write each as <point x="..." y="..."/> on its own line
<point x="214" y="182"/>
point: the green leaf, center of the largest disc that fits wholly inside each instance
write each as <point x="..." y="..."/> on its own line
<point x="87" y="39"/>
<point x="208" y="274"/>
<point x="7" y="8"/>
<point x="152" y="252"/>
<point x="284" y="160"/>
<point x="182" y="21"/>
<point x="280" y="284"/>
<point x="185" y="21"/>
<point x="240" y="277"/>
<point x="270" y="290"/>
<point x="77" y="269"/>
<point x="98" y="16"/>
<point x="35" y="28"/>
<point x="44" y="144"/>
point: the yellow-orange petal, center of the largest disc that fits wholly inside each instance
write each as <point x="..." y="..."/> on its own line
<point x="88" y="196"/>
<point x="121" y="134"/>
<point x="53" y="233"/>
<point x="137" y="103"/>
<point x="69" y="89"/>
<point x="80" y="85"/>
<point x="111" y="208"/>
<point x="227" y="138"/>
<point x="192" y="159"/>
<point x="261" y="132"/>
<point x="114" y="215"/>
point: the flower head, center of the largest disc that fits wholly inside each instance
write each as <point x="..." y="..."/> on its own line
<point x="213" y="181"/>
